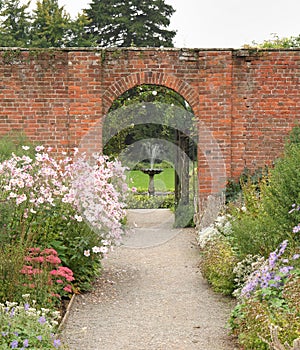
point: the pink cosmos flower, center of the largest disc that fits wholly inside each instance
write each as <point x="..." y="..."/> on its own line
<point x="39" y="148"/>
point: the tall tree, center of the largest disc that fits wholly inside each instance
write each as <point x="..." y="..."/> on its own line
<point x="14" y="23"/>
<point x="50" y="24"/>
<point x="141" y="23"/>
<point x="77" y="35"/>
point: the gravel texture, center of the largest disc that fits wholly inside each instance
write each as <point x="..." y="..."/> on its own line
<point x="151" y="297"/>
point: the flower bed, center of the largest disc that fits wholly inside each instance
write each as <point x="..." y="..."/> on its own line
<point x="254" y="256"/>
<point x="59" y="219"/>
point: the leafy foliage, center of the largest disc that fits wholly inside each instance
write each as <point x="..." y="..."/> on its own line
<point x="263" y="235"/>
<point x="24" y="326"/>
<point x="277" y="43"/>
<point x="143" y="201"/>
<point x="49" y="25"/>
<point x="159" y="103"/>
<point x="15" y="24"/>
<point x="266" y="220"/>
<point x="217" y="264"/>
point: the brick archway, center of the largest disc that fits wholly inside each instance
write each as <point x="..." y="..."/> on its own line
<point x="126" y="83"/>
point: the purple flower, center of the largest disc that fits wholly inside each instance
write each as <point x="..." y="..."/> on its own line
<point x="56" y="343"/>
<point x="286" y="269"/>
<point x="26" y="343"/>
<point x="296" y="256"/>
<point x="39" y="337"/>
<point x="42" y="320"/>
<point x="14" y="344"/>
<point x="296" y="229"/>
<point x="272" y="259"/>
<point x="282" y="247"/>
<point x="12" y="312"/>
<point x="26" y="307"/>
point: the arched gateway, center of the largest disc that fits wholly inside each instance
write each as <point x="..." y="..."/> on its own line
<point x="245" y="101"/>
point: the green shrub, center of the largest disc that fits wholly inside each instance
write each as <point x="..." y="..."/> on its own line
<point x="144" y="201"/>
<point x="267" y="220"/>
<point x="234" y="188"/>
<point x="217" y="264"/>
<point x="11" y="263"/>
<point x="14" y="142"/>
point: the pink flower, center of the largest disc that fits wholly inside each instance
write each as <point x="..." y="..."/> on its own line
<point x="26" y="270"/>
<point x="39" y="148"/>
<point x="34" y="250"/>
<point x="68" y="288"/>
<point x="49" y="251"/>
<point x="38" y="259"/>
<point x="52" y="259"/>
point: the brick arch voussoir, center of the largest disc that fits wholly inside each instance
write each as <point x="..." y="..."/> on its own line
<point x="148" y="77"/>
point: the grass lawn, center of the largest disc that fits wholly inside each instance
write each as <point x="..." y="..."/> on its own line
<point x="163" y="182"/>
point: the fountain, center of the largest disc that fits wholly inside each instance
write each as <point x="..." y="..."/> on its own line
<point x="151" y="173"/>
<point x="152" y="151"/>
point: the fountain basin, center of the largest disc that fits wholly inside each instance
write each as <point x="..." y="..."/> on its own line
<point x="152" y="171"/>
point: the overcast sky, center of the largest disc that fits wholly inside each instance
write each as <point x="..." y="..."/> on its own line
<point x="224" y="23"/>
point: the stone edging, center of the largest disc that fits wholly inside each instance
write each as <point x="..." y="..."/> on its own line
<point x="66" y="315"/>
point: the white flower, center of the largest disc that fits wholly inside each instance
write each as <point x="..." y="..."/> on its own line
<point x="87" y="253"/>
<point x="78" y="218"/>
<point x="96" y="249"/>
<point x="25" y="148"/>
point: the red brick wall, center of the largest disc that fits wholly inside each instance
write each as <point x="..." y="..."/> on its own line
<point x="245" y="102"/>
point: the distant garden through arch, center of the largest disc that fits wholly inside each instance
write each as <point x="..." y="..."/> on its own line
<point x="152" y="126"/>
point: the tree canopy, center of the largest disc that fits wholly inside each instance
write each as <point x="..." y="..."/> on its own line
<point x="104" y="23"/>
<point x="14" y="23"/>
<point x="131" y="23"/>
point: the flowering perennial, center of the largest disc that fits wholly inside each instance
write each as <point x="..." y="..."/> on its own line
<point x="271" y="274"/>
<point x="46" y="262"/>
<point x="23" y="326"/>
<point x="94" y="191"/>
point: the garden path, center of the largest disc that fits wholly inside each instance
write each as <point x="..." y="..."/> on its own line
<point x="151" y="295"/>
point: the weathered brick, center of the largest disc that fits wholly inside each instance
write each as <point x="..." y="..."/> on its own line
<point x="247" y="102"/>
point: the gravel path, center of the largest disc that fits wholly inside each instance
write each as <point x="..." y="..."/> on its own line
<point x="151" y="297"/>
